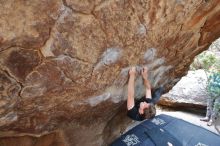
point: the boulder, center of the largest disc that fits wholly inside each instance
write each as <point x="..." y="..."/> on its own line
<point x="189" y="93"/>
<point x="64" y="64"/>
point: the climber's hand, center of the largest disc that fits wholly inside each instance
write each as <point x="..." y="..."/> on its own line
<point x="132" y="71"/>
<point x="144" y="73"/>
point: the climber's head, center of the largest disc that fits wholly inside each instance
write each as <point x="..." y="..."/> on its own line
<point x="147" y="110"/>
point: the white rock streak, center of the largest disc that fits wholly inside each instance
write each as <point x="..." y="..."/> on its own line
<point x="93" y="101"/>
<point x="110" y="56"/>
<point x="150" y="54"/>
<point x="118" y="91"/>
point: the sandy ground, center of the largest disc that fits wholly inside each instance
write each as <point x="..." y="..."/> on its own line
<point x="192" y="118"/>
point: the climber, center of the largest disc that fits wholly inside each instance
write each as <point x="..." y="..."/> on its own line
<point x="143" y="108"/>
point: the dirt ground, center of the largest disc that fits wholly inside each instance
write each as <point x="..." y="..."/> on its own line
<point x="193" y="118"/>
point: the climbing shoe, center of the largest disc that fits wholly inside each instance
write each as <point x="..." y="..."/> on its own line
<point x="206" y="119"/>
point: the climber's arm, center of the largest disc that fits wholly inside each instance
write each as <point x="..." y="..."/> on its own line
<point x="148" y="89"/>
<point x="146" y="82"/>
<point x="130" y="99"/>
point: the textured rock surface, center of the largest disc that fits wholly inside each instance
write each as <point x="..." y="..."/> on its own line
<point x="53" y="139"/>
<point x="189" y="93"/>
<point x="64" y="63"/>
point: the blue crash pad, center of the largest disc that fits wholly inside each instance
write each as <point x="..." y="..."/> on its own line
<point x="164" y="130"/>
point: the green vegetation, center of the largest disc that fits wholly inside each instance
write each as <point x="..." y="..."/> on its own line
<point x="205" y="61"/>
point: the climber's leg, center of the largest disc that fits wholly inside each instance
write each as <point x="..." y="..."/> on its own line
<point x="210" y="102"/>
<point x="157" y="94"/>
<point x="214" y="112"/>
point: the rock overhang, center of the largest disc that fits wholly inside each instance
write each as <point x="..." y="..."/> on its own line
<point x="61" y="61"/>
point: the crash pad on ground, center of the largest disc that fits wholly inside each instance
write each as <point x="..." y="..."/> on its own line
<point x="164" y="130"/>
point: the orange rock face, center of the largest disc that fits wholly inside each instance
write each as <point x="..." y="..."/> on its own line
<point x="64" y="64"/>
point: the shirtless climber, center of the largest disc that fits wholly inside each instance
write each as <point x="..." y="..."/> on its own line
<point x="144" y="108"/>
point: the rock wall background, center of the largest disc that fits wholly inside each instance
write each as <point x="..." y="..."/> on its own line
<point x="64" y="63"/>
